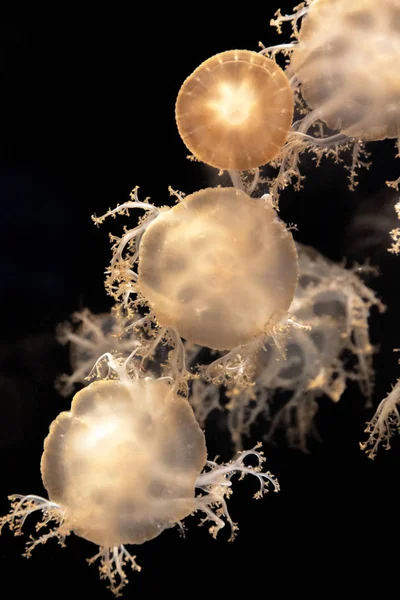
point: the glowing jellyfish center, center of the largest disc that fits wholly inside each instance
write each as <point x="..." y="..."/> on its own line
<point x="235" y="110"/>
<point x="234" y="104"/>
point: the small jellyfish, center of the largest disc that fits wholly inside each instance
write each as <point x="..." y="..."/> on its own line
<point x="124" y="464"/>
<point x="332" y="304"/>
<point x="219" y="269"/>
<point x="235" y="110"/>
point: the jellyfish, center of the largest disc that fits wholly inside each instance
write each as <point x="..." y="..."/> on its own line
<point x="333" y="304"/>
<point x="346" y="61"/>
<point x="127" y="462"/>
<point x="218" y="269"/>
<point x="343" y="69"/>
<point x="235" y="110"/>
<point x="90" y="336"/>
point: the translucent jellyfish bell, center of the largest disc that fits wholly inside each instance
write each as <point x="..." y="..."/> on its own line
<point x="146" y="428"/>
<point x="235" y="110"/>
<point x="343" y="70"/>
<point x="220" y="268"/>
<point x="126" y="463"/>
<point x="347" y="61"/>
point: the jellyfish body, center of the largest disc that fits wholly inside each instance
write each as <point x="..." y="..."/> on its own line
<point x="112" y="461"/>
<point x="344" y="75"/>
<point x="346" y="62"/>
<point x="235" y="110"/>
<point x="124" y="464"/>
<point x="219" y="267"/>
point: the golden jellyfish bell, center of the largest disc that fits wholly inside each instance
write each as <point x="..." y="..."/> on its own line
<point x="235" y="110"/>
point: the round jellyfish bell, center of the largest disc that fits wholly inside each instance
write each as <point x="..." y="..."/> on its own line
<point x="124" y="464"/>
<point x="147" y="428"/>
<point x="235" y="110"/>
<point x="219" y="267"/>
<point x="346" y="62"/>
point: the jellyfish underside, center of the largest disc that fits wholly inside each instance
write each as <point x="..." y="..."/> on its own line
<point x="346" y="62"/>
<point x="220" y="268"/>
<point x="234" y="112"/>
<point x="143" y="429"/>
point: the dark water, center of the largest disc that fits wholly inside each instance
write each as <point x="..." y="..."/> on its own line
<point x="88" y="113"/>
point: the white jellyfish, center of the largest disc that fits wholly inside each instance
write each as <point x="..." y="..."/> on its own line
<point x="218" y="269"/>
<point x="125" y="463"/>
<point x="343" y="69"/>
<point x="333" y="305"/>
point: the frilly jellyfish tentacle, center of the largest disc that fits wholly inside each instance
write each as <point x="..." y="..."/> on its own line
<point x="216" y="484"/>
<point x="384" y="424"/>
<point x="113" y="561"/>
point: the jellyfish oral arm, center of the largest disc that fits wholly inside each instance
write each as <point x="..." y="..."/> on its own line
<point x="300" y="11"/>
<point x="123" y="209"/>
<point x="121" y="267"/>
<point x="112" y="564"/>
<point x="112" y="560"/>
<point x="384" y="424"/>
<point x="216" y="486"/>
<point x="23" y="506"/>
<point x="278" y="48"/>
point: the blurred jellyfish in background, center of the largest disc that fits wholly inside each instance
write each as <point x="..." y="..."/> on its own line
<point x="90" y="336"/>
<point x="368" y="235"/>
<point x="128" y="461"/>
<point x="343" y="69"/>
<point x="333" y="305"/>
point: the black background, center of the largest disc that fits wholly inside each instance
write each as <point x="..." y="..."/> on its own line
<point x="87" y="113"/>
